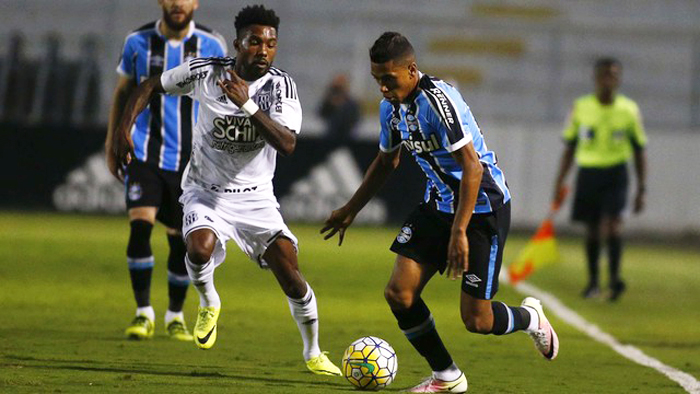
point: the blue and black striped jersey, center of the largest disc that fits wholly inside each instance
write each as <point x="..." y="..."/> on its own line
<point x="433" y="122"/>
<point x="162" y="133"/>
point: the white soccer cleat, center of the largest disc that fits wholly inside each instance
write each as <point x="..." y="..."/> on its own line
<point x="432" y="385"/>
<point x="546" y="339"/>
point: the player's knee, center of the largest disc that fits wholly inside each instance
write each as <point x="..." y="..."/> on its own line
<point x="199" y="253"/>
<point x="198" y="256"/>
<point x="397" y="298"/>
<point x="477" y="324"/>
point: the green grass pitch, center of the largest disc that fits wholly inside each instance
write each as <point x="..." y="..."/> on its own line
<point x="66" y="299"/>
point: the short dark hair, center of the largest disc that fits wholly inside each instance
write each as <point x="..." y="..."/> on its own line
<point x="256" y="15"/>
<point x="605" y="62"/>
<point x="390" y="46"/>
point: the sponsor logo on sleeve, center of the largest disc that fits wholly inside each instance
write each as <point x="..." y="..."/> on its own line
<point x="278" y="98"/>
<point x="194" y="77"/>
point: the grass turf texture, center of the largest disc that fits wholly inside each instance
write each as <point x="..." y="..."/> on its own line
<point x="66" y="300"/>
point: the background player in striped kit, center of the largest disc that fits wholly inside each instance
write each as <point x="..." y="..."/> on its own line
<point x="250" y="112"/>
<point x="462" y="225"/>
<point x="162" y="140"/>
<point x="604" y="131"/>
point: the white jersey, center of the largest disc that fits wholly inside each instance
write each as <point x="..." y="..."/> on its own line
<point x="228" y="155"/>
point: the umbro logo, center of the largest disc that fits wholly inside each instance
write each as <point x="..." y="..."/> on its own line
<point x="471" y="280"/>
<point x="222" y="99"/>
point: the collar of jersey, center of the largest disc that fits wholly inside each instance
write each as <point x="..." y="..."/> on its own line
<point x="190" y="31"/>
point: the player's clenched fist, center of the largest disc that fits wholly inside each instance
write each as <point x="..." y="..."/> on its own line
<point x="236" y="89"/>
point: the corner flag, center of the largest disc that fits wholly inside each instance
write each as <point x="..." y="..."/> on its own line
<point x="541" y="250"/>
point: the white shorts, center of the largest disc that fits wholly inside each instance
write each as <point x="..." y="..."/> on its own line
<point x="253" y="220"/>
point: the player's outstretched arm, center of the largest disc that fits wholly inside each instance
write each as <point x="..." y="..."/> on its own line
<point x="472" y="172"/>
<point x="278" y="136"/>
<point x="122" y="145"/>
<point x="383" y="165"/>
<point x="125" y="86"/>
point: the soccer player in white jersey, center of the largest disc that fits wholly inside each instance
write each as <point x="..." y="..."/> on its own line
<point x="249" y="111"/>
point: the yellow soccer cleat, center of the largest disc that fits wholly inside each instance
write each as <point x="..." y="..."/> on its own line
<point x="176" y="329"/>
<point x="321" y="365"/>
<point x="141" y="328"/>
<point x="205" y="329"/>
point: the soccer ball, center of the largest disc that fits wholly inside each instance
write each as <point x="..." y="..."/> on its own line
<point x="370" y="363"/>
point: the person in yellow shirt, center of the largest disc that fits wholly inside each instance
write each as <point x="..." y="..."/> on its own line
<point x="603" y="133"/>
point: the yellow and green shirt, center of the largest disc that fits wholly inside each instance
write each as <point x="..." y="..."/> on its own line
<point x="605" y="135"/>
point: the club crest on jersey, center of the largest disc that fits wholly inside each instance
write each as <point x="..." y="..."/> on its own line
<point x="135" y="192"/>
<point x="404" y="235"/>
<point x="263" y="100"/>
<point x="420" y="146"/>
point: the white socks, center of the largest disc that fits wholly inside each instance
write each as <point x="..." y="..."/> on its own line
<point x="170" y="316"/>
<point x="146" y="311"/>
<point x="202" y="277"/>
<point x="305" y="313"/>
<point x="451" y="373"/>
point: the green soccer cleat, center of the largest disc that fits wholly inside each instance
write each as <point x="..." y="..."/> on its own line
<point x="205" y="329"/>
<point x="177" y="330"/>
<point x="321" y="365"/>
<point x="141" y="328"/>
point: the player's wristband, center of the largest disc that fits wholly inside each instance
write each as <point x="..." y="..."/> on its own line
<point x="250" y="108"/>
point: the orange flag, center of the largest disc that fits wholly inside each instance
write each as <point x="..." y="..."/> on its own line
<point x="541" y="250"/>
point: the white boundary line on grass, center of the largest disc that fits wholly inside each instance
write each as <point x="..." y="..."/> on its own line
<point x="687" y="381"/>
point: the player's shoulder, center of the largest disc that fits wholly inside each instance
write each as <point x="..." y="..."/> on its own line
<point x="142" y="33"/>
<point x="284" y="81"/>
<point x="626" y="103"/>
<point x="210" y="35"/>
<point x="438" y="89"/>
<point x="278" y="73"/>
<point x="586" y="102"/>
<point x="212" y="62"/>
<point x="385" y="108"/>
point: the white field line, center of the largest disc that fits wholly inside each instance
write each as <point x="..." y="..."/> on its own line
<point x="553" y="304"/>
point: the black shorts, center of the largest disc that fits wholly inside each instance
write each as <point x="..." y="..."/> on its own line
<point x="150" y="186"/>
<point x="425" y="237"/>
<point x="600" y="192"/>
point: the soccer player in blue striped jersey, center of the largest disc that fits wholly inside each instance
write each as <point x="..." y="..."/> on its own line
<point x="459" y="229"/>
<point x="162" y="137"/>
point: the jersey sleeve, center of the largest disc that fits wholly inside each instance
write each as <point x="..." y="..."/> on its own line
<point x="452" y="119"/>
<point x="286" y="108"/>
<point x="126" y="61"/>
<point x="638" y="135"/>
<point x="184" y="79"/>
<point x="389" y="136"/>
